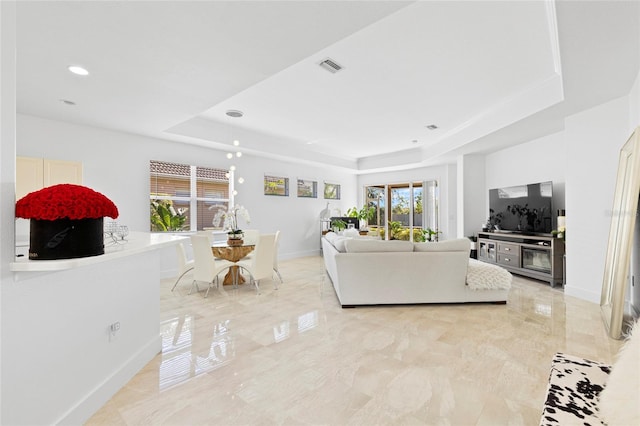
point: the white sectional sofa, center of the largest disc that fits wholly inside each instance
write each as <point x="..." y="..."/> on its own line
<point x="376" y="272"/>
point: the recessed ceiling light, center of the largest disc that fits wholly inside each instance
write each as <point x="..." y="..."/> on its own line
<point x="78" y="70"/>
<point x="67" y="102"/>
<point x="431" y="127"/>
<point x="234" y="113"/>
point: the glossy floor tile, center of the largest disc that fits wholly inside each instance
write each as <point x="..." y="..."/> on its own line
<point x="294" y="356"/>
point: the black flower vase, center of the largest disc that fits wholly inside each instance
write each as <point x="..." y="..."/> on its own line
<point x="65" y="238"/>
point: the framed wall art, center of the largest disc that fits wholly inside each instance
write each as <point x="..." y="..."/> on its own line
<point x="307" y="188"/>
<point x="331" y="191"/>
<point x="276" y="185"/>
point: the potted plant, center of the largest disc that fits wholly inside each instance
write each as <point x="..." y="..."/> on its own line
<point x="364" y="215"/>
<point x="338" y="225"/>
<point x="431" y="235"/>
<point x="494" y="221"/>
<point x="229" y="221"/>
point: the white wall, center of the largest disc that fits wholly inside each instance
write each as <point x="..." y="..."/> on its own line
<point x="442" y="174"/>
<point x="634" y="105"/>
<point x="59" y="363"/>
<point x="582" y="162"/>
<point x="594" y="138"/>
<point x="117" y="164"/>
<point x="541" y="160"/>
<point x="472" y="194"/>
<point x="7" y="160"/>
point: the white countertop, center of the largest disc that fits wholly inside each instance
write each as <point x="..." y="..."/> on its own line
<point x="136" y="242"/>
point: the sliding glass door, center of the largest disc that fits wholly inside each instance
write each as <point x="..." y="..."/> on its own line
<point x="412" y="212"/>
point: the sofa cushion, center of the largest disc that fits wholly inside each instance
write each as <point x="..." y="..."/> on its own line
<point x="330" y="236"/>
<point x="619" y="399"/>
<point x="371" y="246"/>
<point x="338" y="241"/>
<point x="459" y="244"/>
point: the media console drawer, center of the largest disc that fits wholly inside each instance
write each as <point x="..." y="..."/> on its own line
<point x="508" y="248"/>
<point x="509" y="259"/>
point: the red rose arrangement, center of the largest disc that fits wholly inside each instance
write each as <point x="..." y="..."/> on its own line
<point x="65" y="201"/>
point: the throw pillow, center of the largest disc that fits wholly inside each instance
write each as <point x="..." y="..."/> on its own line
<point x="330" y="236"/>
<point x="620" y="400"/>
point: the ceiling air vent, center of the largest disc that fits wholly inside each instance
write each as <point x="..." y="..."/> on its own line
<point x="330" y="65"/>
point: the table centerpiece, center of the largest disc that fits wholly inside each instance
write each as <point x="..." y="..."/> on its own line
<point x="229" y="221"/>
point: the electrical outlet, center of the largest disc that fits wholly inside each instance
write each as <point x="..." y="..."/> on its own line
<point x="113" y="330"/>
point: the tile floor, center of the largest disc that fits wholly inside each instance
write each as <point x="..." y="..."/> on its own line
<point x="293" y="356"/>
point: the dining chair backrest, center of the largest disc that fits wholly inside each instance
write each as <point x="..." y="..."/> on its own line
<point x="184" y="265"/>
<point x="275" y="250"/>
<point x="207" y="234"/>
<point x="275" y="256"/>
<point x="182" y="257"/>
<point x="250" y="236"/>
<point x="262" y="262"/>
<point x="204" y="268"/>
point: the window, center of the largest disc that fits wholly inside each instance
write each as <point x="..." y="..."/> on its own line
<point x="412" y="209"/>
<point x="184" y="197"/>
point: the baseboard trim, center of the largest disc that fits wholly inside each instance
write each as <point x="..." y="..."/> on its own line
<point x="95" y="399"/>
<point x="581" y="293"/>
<point x="298" y="254"/>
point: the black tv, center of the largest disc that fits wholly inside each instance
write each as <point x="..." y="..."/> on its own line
<point x="525" y="209"/>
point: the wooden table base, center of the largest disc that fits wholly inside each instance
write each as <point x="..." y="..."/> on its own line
<point x="233" y="254"/>
<point x="228" y="278"/>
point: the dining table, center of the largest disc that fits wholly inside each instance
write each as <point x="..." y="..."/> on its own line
<point x="232" y="253"/>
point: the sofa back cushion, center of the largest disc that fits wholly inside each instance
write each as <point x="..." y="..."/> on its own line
<point x="459" y="244"/>
<point x="338" y="241"/>
<point x="371" y="246"/>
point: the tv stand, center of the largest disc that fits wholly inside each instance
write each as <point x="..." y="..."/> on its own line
<point x="534" y="256"/>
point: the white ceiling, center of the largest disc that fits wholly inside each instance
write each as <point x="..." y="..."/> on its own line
<point x="488" y="74"/>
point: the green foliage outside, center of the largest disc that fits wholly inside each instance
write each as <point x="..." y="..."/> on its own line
<point x="400" y="202"/>
<point x="398" y="232"/>
<point x="365" y="213"/>
<point x="165" y="218"/>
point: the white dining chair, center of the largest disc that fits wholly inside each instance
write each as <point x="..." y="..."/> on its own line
<point x="184" y="265"/>
<point x="207" y="234"/>
<point x="250" y="236"/>
<point x="275" y="256"/>
<point x="260" y="266"/>
<point x="206" y="268"/>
